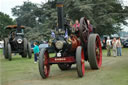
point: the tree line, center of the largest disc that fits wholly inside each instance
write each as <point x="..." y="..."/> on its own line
<point x="105" y="15"/>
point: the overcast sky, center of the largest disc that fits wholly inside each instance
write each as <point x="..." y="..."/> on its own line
<point x="6" y="5"/>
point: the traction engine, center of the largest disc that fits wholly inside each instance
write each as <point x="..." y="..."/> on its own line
<point x="71" y="48"/>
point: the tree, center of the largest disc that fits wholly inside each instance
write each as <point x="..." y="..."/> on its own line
<point x="40" y="17"/>
<point x="25" y="14"/>
<point x="105" y="15"/>
<point x="4" y="21"/>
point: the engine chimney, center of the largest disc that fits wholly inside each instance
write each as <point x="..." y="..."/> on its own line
<point x="60" y="13"/>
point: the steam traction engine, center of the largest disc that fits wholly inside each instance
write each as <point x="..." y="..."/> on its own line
<point x="71" y="48"/>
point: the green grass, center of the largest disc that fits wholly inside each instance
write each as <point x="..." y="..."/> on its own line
<point x="23" y="71"/>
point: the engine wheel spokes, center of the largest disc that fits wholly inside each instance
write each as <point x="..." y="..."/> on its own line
<point x="94" y="51"/>
<point x="46" y="64"/>
<point x="83" y="30"/>
<point x="98" y="51"/>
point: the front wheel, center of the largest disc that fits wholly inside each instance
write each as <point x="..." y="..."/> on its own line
<point x="5" y="48"/>
<point x="24" y="54"/>
<point x="9" y="52"/>
<point x="44" y="66"/>
<point x="29" y="51"/>
<point x="80" y="65"/>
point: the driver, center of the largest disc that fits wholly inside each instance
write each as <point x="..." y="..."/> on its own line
<point x="12" y="36"/>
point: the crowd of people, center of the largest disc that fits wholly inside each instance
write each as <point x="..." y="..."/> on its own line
<point x="116" y="46"/>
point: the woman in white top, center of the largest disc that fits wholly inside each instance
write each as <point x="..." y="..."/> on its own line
<point x="114" y="47"/>
<point x="108" y="46"/>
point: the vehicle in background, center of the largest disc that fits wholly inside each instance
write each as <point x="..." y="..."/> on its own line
<point x="114" y="36"/>
<point x="123" y="36"/>
<point x="43" y="46"/>
<point x="1" y="44"/>
<point x="16" y="42"/>
<point x="103" y="41"/>
<point x="124" y="39"/>
<point x="125" y="43"/>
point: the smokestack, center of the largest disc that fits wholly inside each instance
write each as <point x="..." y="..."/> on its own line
<point x="60" y="13"/>
<point x="18" y="23"/>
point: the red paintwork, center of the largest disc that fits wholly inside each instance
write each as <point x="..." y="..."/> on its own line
<point x="75" y="42"/>
<point x="46" y="64"/>
<point x="98" y="51"/>
<point x="82" y="61"/>
<point x="55" y="60"/>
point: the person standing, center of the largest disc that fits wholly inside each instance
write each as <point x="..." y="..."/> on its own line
<point x="114" y="47"/>
<point x="108" y="46"/>
<point x="119" y="47"/>
<point x="36" y="52"/>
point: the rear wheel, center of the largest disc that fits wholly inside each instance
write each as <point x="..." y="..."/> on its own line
<point x="9" y="52"/>
<point x="5" y="48"/>
<point x="94" y="51"/>
<point x="29" y="51"/>
<point x="24" y="54"/>
<point x="64" y="66"/>
<point x="80" y="65"/>
<point x="44" y="66"/>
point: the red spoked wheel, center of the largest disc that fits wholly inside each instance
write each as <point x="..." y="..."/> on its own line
<point x="44" y="67"/>
<point x="80" y="65"/>
<point x="98" y="51"/>
<point x="94" y="51"/>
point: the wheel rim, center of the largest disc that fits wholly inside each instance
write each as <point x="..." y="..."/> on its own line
<point x="82" y="61"/>
<point x="98" y="52"/>
<point x="46" y="64"/>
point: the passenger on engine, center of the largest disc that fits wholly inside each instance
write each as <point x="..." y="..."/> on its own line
<point x="76" y="26"/>
<point x="89" y="26"/>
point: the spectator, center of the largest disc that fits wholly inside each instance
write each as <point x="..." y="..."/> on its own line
<point x="119" y="48"/>
<point x="36" y="52"/>
<point x="114" y="47"/>
<point x="76" y="25"/>
<point x="108" y="46"/>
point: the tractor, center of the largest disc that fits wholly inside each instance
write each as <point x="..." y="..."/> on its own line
<point x="16" y="42"/>
<point x="71" y="47"/>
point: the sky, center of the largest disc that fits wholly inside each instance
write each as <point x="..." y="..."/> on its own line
<point x="6" y="5"/>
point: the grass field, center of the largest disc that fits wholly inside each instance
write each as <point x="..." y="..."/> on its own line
<point x="23" y="71"/>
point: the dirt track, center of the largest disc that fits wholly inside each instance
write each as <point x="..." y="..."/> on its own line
<point x="114" y="71"/>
